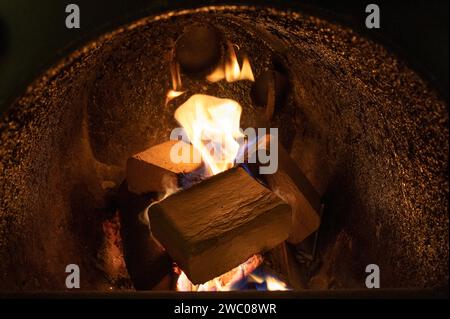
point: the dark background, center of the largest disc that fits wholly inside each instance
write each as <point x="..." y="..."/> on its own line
<point x="33" y="33"/>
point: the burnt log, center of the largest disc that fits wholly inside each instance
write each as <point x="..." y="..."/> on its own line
<point x="219" y="223"/>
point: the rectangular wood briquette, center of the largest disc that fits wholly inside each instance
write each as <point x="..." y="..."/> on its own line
<point x="219" y="223"/>
<point x="153" y="170"/>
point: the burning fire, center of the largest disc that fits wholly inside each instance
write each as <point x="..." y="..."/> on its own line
<point x="271" y="282"/>
<point x="225" y="282"/>
<point x="176" y="81"/>
<point x="231" y="71"/>
<point x="238" y="278"/>
<point x="172" y="94"/>
<point x="211" y="123"/>
<point x="212" y="126"/>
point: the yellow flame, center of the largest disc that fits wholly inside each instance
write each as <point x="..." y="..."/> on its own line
<point x="246" y="71"/>
<point x="275" y="284"/>
<point x="217" y="75"/>
<point x="272" y="282"/>
<point x="175" y="74"/>
<point x="212" y="126"/>
<point x="224" y="282"/>
<point x="230" y="70"/>
<point x="172" y="94"/>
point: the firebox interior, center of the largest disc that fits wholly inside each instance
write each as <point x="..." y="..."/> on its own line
<point x="369" y="133"/>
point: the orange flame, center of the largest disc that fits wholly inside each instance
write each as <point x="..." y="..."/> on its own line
<point x="175" y="75"/>
<point x="230" y="70"/>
